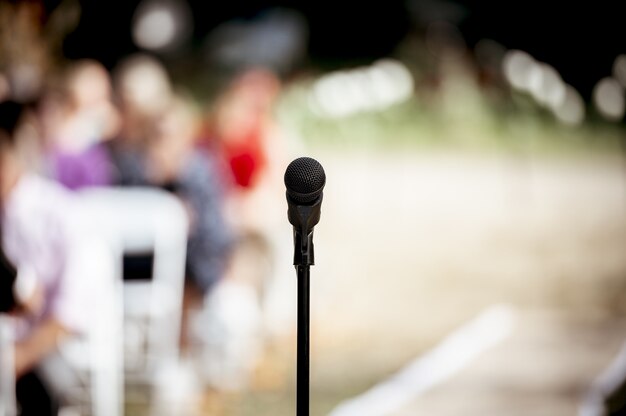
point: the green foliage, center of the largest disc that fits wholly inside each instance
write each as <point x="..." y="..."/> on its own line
<point x="471" y="121"/>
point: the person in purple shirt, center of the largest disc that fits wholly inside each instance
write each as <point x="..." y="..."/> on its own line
<point x="78" y="119"/>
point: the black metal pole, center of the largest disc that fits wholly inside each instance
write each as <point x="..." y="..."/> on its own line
<point x="302" y="361"/>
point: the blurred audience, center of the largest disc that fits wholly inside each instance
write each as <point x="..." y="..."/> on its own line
<point x="156" y="147"/>
<point x="139" y="131"/>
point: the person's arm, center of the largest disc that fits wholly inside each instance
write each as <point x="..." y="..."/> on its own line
<point x="42" y="341"/>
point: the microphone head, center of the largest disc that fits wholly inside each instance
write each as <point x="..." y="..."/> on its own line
<point x="305" y="180"/>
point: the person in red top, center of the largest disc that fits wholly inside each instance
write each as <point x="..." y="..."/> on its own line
<point x="243" y="131"/>
<point x="241" y="125"/>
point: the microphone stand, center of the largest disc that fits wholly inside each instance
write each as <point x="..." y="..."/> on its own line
<point x="305" y="216"/>
<point x="302" y="360"/>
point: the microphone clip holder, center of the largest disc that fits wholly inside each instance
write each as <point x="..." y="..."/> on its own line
<point x="303" y="218"/>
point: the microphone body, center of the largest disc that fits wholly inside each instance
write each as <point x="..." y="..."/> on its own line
<point x="304" y="179"/>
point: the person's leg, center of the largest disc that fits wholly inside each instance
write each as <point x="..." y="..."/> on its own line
<point x="33" y="398"/>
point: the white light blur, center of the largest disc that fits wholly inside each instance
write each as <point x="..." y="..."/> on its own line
<point x="381" y="87"/>
<point x="374" y="88"/>
<point x="541" y="80"/>
<point x="161" y="25"/>
<point x="155" y="29"/>
<point x="547" y="86"/>
<point x="619" y="69"/>
<point x="608" y="97"/>
<point x="518" y="67"/>
<point x="401" y="76"/>
<point x="572" y="109"/>
<point x="327" y="97"/>
<point x="355" y="96"/>
<point x="143" y="84"/>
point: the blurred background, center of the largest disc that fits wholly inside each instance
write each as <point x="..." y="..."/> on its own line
<point x="470" y="256"/>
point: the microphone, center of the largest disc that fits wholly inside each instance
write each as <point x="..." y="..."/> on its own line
<point x="304" y="180"/>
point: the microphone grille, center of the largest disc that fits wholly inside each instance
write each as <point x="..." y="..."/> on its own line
<point x="304" y="179"/>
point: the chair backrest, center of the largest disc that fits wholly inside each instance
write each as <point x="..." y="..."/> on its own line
<point x="101" y="346"/>
<point x="139" y="220"/>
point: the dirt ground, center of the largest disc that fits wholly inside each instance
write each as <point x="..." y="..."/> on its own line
<point x="413" y="244"/>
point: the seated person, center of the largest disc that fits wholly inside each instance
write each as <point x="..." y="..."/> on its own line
<point x="167" y="158"/>
<point x="77" y="119"/>
<point x="43" y="260"/>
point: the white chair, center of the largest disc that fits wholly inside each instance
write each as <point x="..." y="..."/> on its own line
<point x="137" y="221"/>
<point x="7" y="376"/>
<point x="85" y="372"/>
<point x="95" y="369"/>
